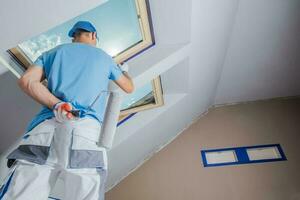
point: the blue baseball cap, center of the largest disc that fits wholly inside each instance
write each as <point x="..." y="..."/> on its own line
<point x="82" y="25"/>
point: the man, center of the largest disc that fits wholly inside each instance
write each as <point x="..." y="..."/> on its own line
<point x="57" y="144"/>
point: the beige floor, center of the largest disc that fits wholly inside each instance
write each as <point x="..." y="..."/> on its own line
<point x="177" y="173"/>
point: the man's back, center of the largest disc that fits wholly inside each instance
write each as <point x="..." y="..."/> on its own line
<point x="77" y="73"/>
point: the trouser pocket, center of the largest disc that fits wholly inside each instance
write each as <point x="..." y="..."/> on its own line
<point x="35" y="145"/>
<point x="85" y="152"/>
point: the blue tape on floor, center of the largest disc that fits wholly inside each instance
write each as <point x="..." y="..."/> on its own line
<point x="242" y="155"/>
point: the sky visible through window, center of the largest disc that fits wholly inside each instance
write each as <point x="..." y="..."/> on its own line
<point x="139" y="94"/>
<point x="116" y="22"/>
<point x="118" y="29"/>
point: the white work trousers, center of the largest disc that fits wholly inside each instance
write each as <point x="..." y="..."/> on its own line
<point x="66" y="151"/>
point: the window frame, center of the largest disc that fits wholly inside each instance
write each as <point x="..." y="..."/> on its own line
<point x="145" y="21"/>
<point x="158" y="97"/>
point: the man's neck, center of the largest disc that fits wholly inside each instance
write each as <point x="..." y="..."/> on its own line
<point x="84" y="42"/>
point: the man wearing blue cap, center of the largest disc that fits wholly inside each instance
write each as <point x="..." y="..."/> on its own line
<point x="57" y="144"/>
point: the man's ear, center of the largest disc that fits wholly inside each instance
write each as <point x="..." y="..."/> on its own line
<point x="94" y="35"/>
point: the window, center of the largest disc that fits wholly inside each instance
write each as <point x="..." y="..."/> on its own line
<point x="125" y="30"/>
<point x="146" y="97"/>
<point x="123" y="25"/>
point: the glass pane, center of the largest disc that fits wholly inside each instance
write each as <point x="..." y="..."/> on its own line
<point x="141" y="96"/>
<point x="116" y="22"/>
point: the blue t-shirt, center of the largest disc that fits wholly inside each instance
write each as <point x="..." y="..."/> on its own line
<point x="77" y="73"/>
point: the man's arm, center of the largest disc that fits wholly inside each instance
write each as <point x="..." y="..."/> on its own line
<point x="125" y="83"/>
<point x="31" y="84"/>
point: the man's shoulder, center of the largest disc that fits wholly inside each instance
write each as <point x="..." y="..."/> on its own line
<point x="99" y="51"/>
<point x="102" y="54"/>
<point x="82" y="46"/>
<point x="54" y="49"/>
<point x="78" y="48"/>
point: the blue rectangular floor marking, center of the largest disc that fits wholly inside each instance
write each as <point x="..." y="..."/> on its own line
<point x="242" y="155"/>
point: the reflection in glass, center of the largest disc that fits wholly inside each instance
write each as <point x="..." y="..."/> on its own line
<point x="141" y="96"/>
<point x="116" y="21"/>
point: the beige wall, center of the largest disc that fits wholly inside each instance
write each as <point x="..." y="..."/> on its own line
<point x="177" y="173"/>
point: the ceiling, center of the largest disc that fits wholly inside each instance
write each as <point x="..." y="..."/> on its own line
<point x="207" y="52"/>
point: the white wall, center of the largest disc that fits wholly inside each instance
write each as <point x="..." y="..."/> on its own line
<point x="263" y="58"/>
<point x="211" y="25"/>
<point x="2" y="69"/>
<point x="17" y="110"/>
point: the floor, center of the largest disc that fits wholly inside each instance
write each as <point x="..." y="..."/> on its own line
<point x="177" y="172"/>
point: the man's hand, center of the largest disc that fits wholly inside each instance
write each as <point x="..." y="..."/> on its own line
<point x="125" y="82"/>
<point x="61" y="111"/>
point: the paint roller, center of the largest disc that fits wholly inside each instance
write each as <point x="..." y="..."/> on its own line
<point x="110" y="121"/>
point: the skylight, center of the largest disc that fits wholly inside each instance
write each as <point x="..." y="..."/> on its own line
<point x="116" y="21"/>
<point x="134" y="98"/>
